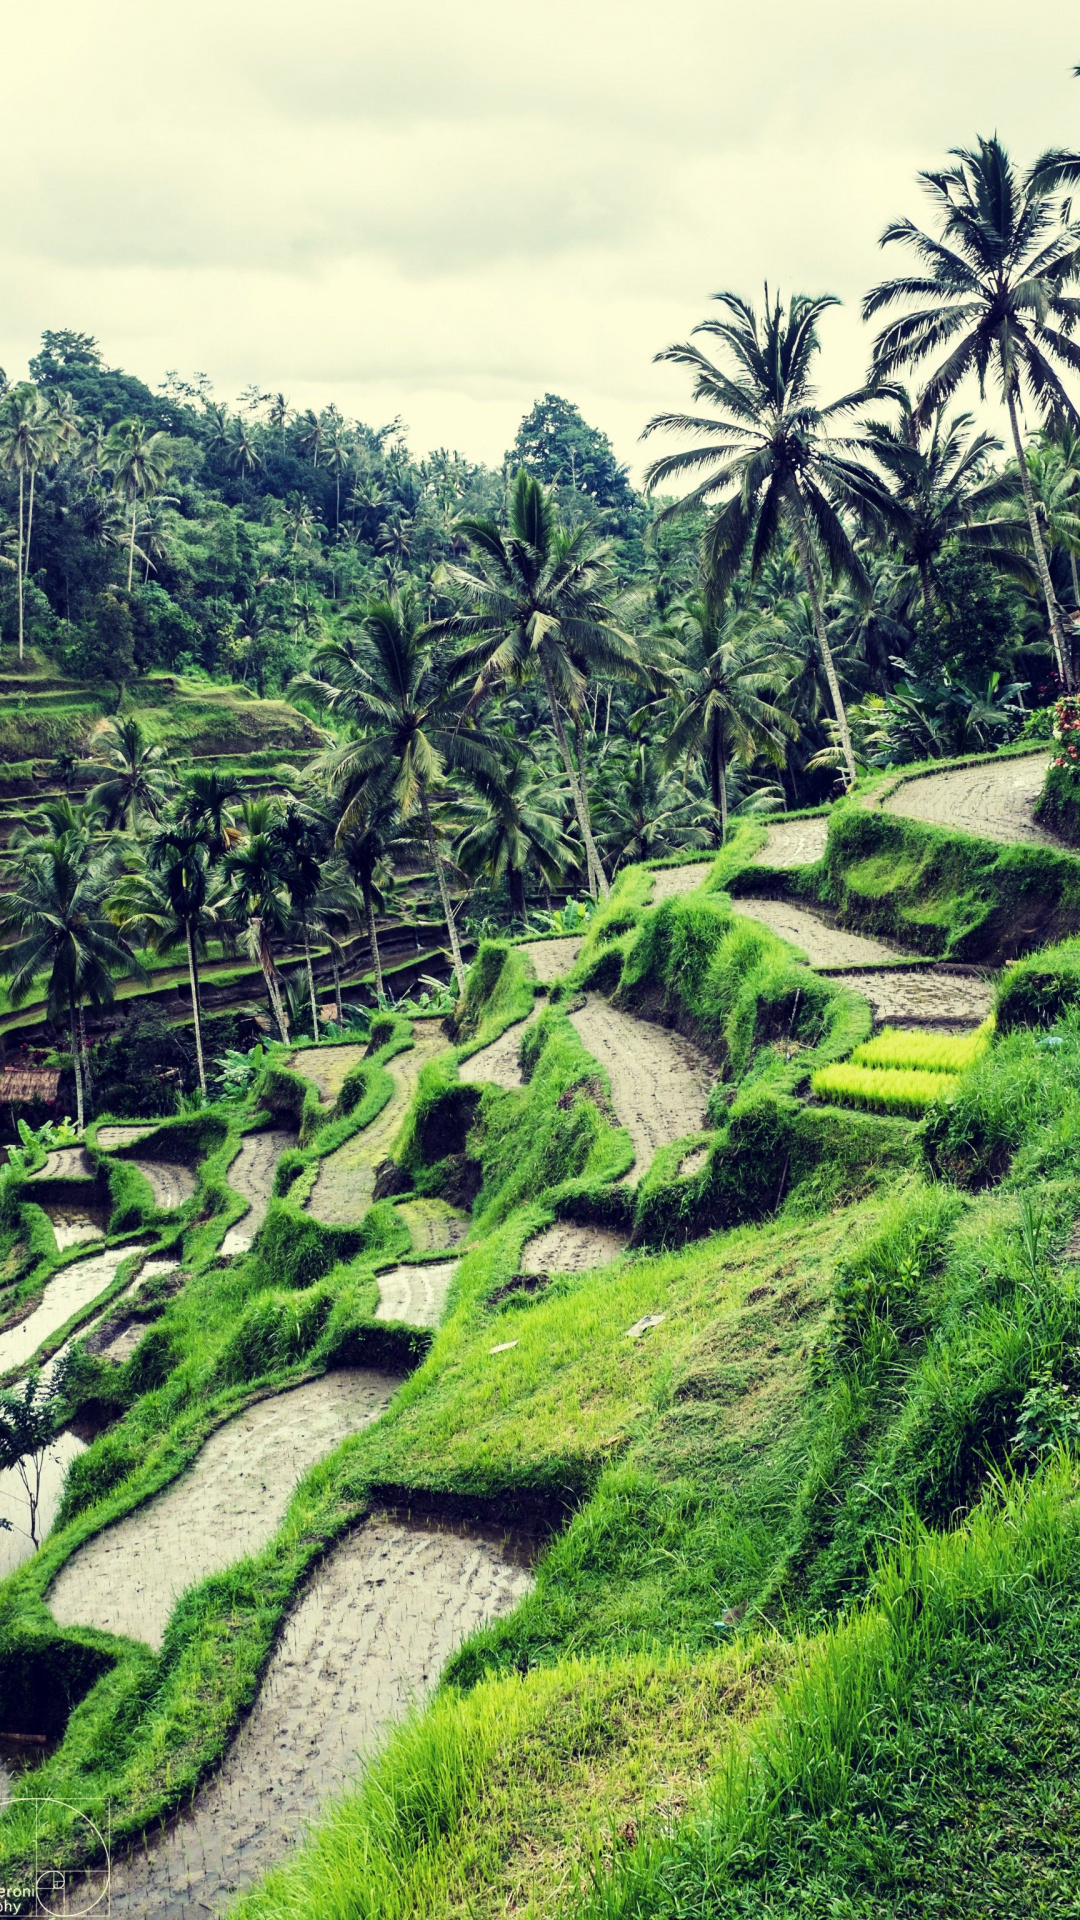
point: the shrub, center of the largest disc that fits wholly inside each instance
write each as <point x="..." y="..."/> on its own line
<point x="1037" y="991"/>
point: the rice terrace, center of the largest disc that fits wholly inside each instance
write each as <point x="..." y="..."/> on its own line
<point x="540" y="985"/>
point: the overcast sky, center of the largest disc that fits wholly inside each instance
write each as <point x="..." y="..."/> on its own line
<point x="443" y="211"/>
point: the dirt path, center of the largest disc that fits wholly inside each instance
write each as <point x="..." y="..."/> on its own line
<point x="128" y="1578"/>
<point x="550" y="959"/>
<point x="17" y="1546"/>
<point x="110" y="1138"/>
<point x="500" y="1064"/>
<point x="566" y="1248"/>
<point x="252" y="1176"/>
<point x="370" y="1635"/>
<point x="670" y="881"/>
<point x="66" y="1163"/>
<point x="823" y="945"/>
<point x="659" y="1081"/>
<point x="416" y="1294"/>
<point x="326" y="1067"/>
<point x="346" y="1179"/>
<point x="793" y="843"/>
<point x="73" y="1225"/>
<point x="925" y="997"/>
<point x="995" y="801"/>
<point x="434" y="1225"/>
<point x="72" y="1289"/>
<point x="170" y="1182"/>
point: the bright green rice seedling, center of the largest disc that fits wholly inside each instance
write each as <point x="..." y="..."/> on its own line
<point x="928" y="1052"/>
<point x="883" y="1089"/>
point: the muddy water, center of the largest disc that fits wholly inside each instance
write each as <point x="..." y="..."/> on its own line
<point x="659" y="1081"/>
<point x="72" y="1289"/>
<point x="170" y="1182"/>
<point x="995" y="801"/>
<point x="671" y="881"/>
<point x="566" y="1248"/>
<point x="500" y="1064"/>
<point x="433" y="1224"/>
<point x="326" y="1067"/>
<point x="925" y="997"/>
<point x="127" y="1579"/>
<point x="346" y="1179"/>
<point x="793" y="843"/>
<point x="16" y="1545"/>
<point x="415" y="1294"/>
<point x="74" y="1226"/>
<point x="823" y="945"/>
<point x="550" y="959"/>
<point x="251" y="1175"/>
<point x="370" y="1635"/>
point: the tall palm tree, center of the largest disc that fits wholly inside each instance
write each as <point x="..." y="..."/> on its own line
<point x="991" y="294"/>
<point x="258" y="896"/>
<point x="719" y="706"/>
<point x="169" y="901"/>
<point x="302" y="846"/>
<point x="539" y="603"/>
<point x="520" y="823"/>
<point x="134" y="788"/>
<point x="27" y="441"/>
<point x="62" y="933"/>
<point x="408" y="702"/>
<point x="1054" y="469"/>
<point x="646" y="810"/>
<point x="206" y="806"/>
<point x="770" y="457"/>
<point x="279" y="415"/>
<point x="140" y="466"/>
<point x="370" y="828"/>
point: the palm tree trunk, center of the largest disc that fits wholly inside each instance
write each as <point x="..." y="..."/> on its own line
<point x="80" y="1116"/>
<point x="310" y="980"/>
<point x="579" y="741"/>
<point x="584" y="828"/>
<point x="718" y="778"/>
<point x="19" y="566"/>
<point x="193" y="976"/>
<point x="337" y="983"/>
<point x="88" y="1077"/>
<point x="131" y="544"/>
<point x="373" y="937"/>
<point x="806" y="556"/>
<point x="1064" y="664"/>
<point x="444" y="896"/>
<point x="269" y="974"/>
<point x="29" y="525"/>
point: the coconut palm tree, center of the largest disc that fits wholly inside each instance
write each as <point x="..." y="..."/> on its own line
<point x="27" y="442"/>
<point x="1054" y="470"/>
<point x="62" y="934"/>
<point x="991" y="295"/>
<point x="134" y="788"/>
<point x="206" y="806"/>
<point x="171" y="900"/>
<point x="140" y="467"/>
<point x="369" y="831"/>
<point x="645" y="809"/>
<point x="770" y="457"/>
<point x="539" y="603"/>
<point x="302" y="844"/>
<point x="408" y="703"/>
<point x="721" y="706"/>
<point x="520" y="824"/>
<point x="255" y="873"/>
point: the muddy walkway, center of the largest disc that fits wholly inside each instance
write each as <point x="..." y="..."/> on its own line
<point x="434" y="1225"/>
<point x="66" y="1163"/>
<point x="369" y="1636"/>
<point x="659" y="1081"/>
<point x="568" y="1248"/>
<point x="18" y="1544"/>
<point x="500" y="1063"/>
<point x="823" y="944"/>
<point x="415" y="1294"/>
<point x="996" y="801"/>
<point x="110" y="1138"/>
<point x="127" y="1579"/>
<point x="326" y="1067"/>
<point x="793" y="843"/>
<point x="346" y="1179"/>
<point x="671" y="881"/>
<point x="170" y="1182"/>
<point x="71" y="1290"/>
<point x="550" y="959"/>
<point x="251" y="1175"/>
<point x="925" y="997"/>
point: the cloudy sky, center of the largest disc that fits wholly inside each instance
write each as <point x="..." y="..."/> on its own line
<point x="443" y="211"/>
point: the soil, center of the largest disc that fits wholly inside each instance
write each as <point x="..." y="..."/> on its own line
<point x="66" y="1163"/>
<point x="345" y="1183"/>
<point x="72" y="1226"/>
<point x="252" y="1176"/>
<point x="550" y="959"/>
<point x="416" y="1294"/>
<point x="659" y="1081"/>
<point x="925" y="997"/>
<point x="693" y="1163"/>
<point x="793" y="843"/>
<point x="17" y="1546"/>
<point x="326" y="1067"/>
<point x="369" y="1636"/>
<point x="566" y="1248"/>
<point x="68" y="1292"/>
<point x="110" y="1138"/>
<point x="995" y="801"/>
<point x="433" y="1224"/>
<point x="500" y="1064"/>
<point x="127" y="1579"/>
<point x="675" y="880"/>
<point x="170" y="1183"/>
<point x="823" y="944"/>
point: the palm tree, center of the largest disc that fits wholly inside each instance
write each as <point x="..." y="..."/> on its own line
<point x="1054" y="469"/>
<point x="62" y="933"/>
<point x="255" y="873"/>
<point x="140" y="468"/>
<point x="521" y="822"/>
<point x="992" y="296"/>
<point x="409" y="705"/>
<point x="770" y="456"/>
<point x="171" y="901"/>
<point x="646" y="810"/>
<point x="720" y="706"/>
<point x="302" y="845"/>
<point x="206" y="807"/>
<point x="279" y="415"/>
<point x="135" y="785"/>
<point x="311" y="434"/>
<point x="370" y="828"/>
<point x="540" y="604"/>
<point x="26" y="443"/>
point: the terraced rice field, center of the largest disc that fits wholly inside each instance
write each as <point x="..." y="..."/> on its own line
<point x="346" y="1178"/>
<point x="659" y="1082"/>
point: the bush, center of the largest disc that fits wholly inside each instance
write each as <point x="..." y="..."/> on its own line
<point x="1038" y="991"/>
